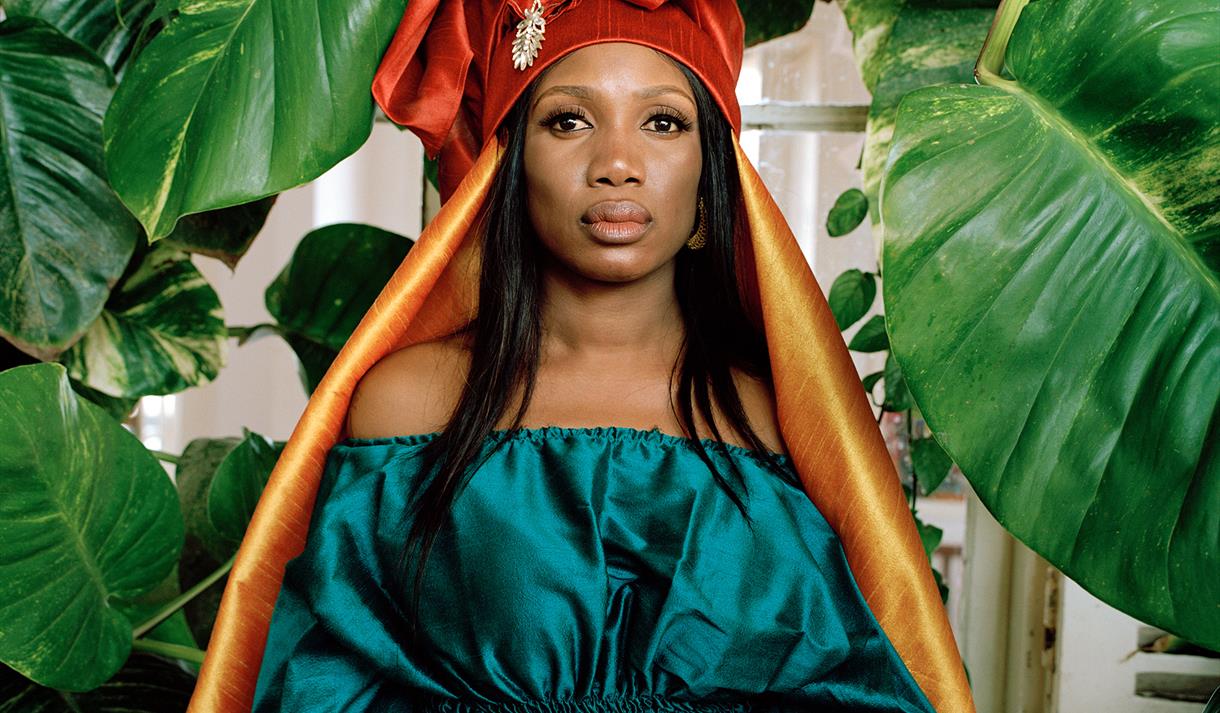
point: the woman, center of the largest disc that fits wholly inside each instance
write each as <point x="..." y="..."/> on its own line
<point x="592" y="460"/>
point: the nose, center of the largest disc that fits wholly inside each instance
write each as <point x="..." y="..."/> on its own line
<point x="616" y="157"/>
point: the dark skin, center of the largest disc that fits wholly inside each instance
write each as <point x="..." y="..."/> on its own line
<point x="611" y="327"/>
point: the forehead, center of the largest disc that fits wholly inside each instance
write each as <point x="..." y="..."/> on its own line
<point x="613" y="67"/>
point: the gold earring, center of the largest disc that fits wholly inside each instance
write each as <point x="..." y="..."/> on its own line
<point x="699" y="238"/>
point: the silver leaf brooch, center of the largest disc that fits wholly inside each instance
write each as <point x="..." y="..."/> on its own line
<point x="530" y="32"/>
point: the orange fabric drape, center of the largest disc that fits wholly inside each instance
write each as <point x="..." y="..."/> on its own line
<point x="277" y="531"/>
<point x="824" y="418"/>
<point x="841" y="457"/>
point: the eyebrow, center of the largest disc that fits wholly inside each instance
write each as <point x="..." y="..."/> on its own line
<point x="583" y="92"/>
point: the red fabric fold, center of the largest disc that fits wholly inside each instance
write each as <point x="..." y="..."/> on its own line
<point x="422" y="77"/>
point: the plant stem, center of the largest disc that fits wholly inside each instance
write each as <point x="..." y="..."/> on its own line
<point x="179" y="601"/>
<point x="69" y="700"/>
<point x="991" y="58"/>
<point x="243" y="334"/>
<point x="174" y="651"/>
<point x="167" y="457"/>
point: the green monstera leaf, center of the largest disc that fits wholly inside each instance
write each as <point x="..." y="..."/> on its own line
<point x="89" y="525"/>
<point x="196" y="470"/>
<point x="174" y="628"/>
<point x="851" y="296"/>
<point x="119" y="408"/>
<point x="848" y="212"/>
<point x="320" y="296"/>
<point x="225" y="234"/>
<point x="903" y="45"/>
<point x="66" y="235"/>
<point x="871" y="22"/>
<point x="236" y="100"/>
<point x="236" y="486"/>
<point x="162" y="331"/>
<point x="109" y="28"/>
<point x="145" y="684"/>
<point x="768" y="19"/>
<point x="1052" y="294"/>
<point x="204" y="549"/>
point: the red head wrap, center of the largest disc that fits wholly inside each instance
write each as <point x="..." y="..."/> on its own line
<point x="449" y="75"/>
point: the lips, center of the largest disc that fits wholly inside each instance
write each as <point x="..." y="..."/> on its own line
<point x="618" y="222"/>
<point x="622" y="211"/>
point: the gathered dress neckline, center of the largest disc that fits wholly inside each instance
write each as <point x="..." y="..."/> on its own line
<point x="544" y="433"/>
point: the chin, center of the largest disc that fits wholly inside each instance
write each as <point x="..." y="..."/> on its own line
<point x="617" y="278"/>
<point x="611" y="264"/>
<point x="625" y="266"/>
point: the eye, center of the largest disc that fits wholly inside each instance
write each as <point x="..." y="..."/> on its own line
<point x="670" y="121"/>
<point x="564" y="120"/>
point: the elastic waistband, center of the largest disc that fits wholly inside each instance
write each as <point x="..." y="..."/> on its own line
<point x="588" y="704"/>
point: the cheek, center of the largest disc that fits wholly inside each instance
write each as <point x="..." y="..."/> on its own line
<point x="692" y="170"/>
<point x="681" y="189"/>
<point x="680" y="171"/>
<point x="545" y="197"/>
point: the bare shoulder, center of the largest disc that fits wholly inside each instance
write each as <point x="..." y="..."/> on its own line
<point x="412" y="390"/>
<point x="758" y="400"/>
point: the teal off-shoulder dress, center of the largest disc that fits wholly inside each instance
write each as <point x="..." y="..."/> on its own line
<point x="584" y="570"/>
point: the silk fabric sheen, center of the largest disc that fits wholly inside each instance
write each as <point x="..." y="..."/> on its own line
<point x="824" y="419"/>
<point x="598" y="570"/>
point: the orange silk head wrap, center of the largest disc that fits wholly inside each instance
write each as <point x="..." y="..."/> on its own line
<point x="449" y="76"/>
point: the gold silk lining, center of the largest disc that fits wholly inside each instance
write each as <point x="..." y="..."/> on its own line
<point x="841" y="457"/>
<point x="825" y="421"/>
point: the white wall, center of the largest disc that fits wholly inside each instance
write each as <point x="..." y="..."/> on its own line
<point x="1098" y="661"/>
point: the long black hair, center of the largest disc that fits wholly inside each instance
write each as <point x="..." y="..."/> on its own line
<point x="505" y="336"/>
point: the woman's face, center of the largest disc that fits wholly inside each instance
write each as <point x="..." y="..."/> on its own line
<point x="612" y="161"/>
